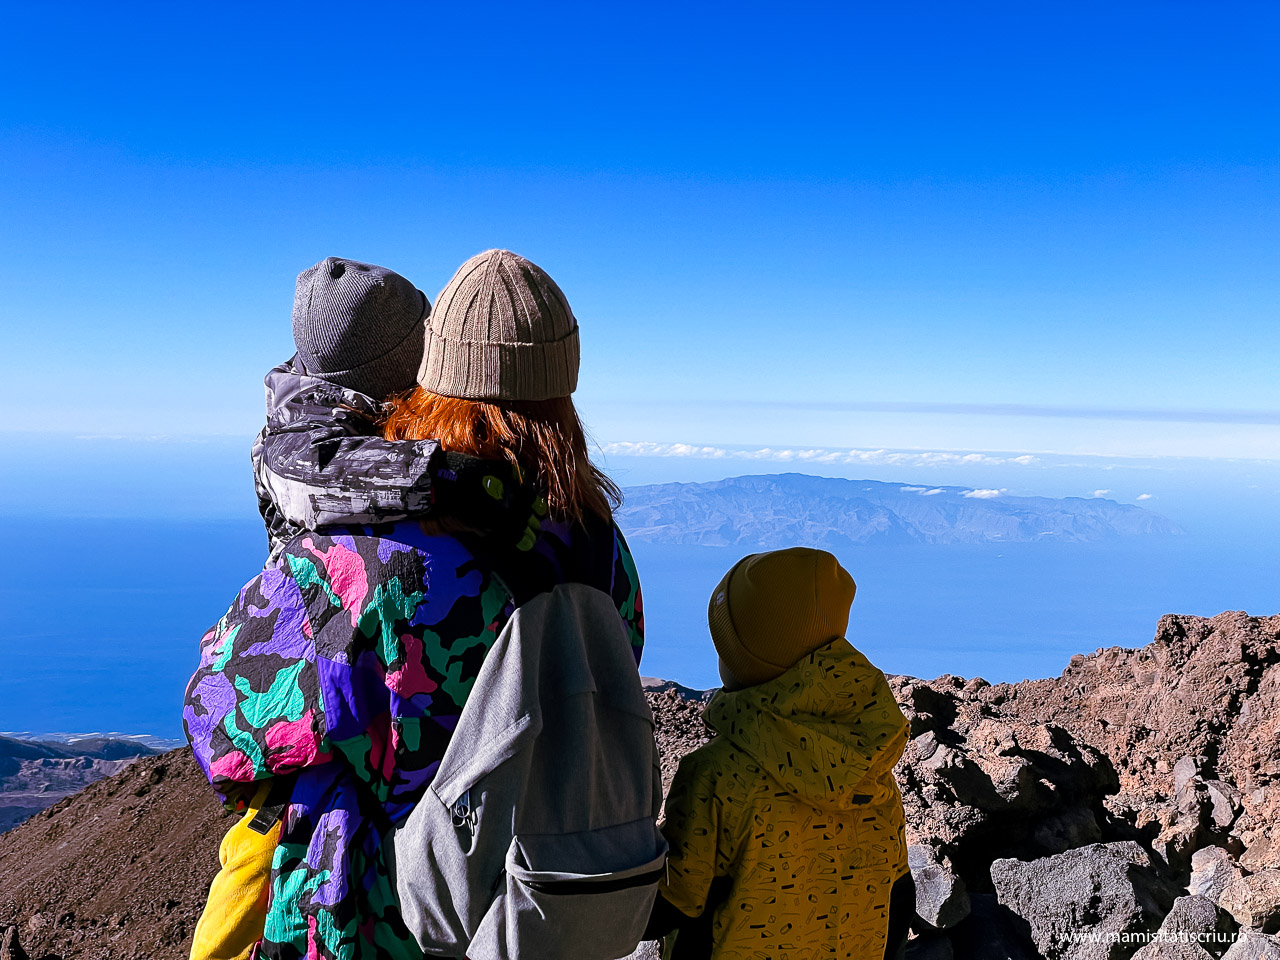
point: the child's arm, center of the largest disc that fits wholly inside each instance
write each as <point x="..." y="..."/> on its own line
<point x="253" y="709"/>
<point x="692" y="824"/>
<point x="235" y="914"/>
<point x="320" y="464"/>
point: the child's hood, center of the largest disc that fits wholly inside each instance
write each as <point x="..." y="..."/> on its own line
<point x="825" y="730"/>
<point x="286" y="383"/>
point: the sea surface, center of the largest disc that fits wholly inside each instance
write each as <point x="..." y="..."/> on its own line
<point x="103" y="617"/>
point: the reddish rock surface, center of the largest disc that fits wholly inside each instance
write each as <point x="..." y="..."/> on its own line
<point x="1203" y="689"/>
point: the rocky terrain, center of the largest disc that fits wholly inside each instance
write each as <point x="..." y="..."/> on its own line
<point x="1125" y="809"/>
<point x="35" y="774"/>
<point x="767" y="512"/>
<point x="1132" y="800"/>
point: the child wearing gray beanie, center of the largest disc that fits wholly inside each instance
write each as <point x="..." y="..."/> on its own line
<point x="360" y="332"/>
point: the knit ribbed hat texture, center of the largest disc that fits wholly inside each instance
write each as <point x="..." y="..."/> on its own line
<point x="359" y="325"/>
<point x="771" y="609"/>
<point x="501" y="330"/>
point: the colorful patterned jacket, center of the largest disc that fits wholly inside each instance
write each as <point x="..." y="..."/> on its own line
<point x="345" y="665"/>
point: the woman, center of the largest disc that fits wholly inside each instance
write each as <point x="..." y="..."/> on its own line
<point x="341" y="670"/>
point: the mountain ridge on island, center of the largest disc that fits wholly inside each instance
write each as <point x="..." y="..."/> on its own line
<point x="770" y="511"/>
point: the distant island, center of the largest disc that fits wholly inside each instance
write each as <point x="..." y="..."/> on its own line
<point x="782" y="510"/>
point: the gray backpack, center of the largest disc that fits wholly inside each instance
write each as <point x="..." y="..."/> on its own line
<point x="538" y="839"/>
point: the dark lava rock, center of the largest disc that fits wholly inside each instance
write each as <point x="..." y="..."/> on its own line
<point x="1164" y="950"/>
<point x="1104" y="889"/>
<point x="941" y="897"/>
<point x="1254" y="901"/>
<point x="10" y="948"/>
<point x="1199" y="920"/>
<point x="1212" y="871"/>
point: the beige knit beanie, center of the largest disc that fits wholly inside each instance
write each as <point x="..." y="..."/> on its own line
<point x="501" y="330"/>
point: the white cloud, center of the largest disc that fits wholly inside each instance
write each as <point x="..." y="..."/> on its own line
<point x="1144" y="496"/>
<point x="984" y="494"/>
<point x="922" y="458"/>
<point x="923" y="491"/>
<point x="1100" y="493"/>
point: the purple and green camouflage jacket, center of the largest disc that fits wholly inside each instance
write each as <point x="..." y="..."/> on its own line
<point x="344" y="665"/>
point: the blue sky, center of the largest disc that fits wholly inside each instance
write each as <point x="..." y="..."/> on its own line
<point x="1029" y="228"/>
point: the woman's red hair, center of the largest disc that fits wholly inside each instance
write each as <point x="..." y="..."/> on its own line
<point x="544" y="439"/>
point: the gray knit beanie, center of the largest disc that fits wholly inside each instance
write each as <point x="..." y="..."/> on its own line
<point x="359" y="325"/>
<point x="501" y="330"/>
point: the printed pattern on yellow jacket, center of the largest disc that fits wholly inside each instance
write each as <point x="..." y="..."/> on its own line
<point x="795" y="803"/>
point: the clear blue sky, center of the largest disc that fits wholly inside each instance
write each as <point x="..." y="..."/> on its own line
<point x="1049" y="227"/>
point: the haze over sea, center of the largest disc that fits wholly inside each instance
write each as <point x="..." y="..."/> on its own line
<point x="121" y="553"/>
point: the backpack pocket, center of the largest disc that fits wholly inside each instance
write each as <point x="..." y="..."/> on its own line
<point x="555" y="901"/>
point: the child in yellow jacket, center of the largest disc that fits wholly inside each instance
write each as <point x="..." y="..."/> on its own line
<point x="786" y="829"/>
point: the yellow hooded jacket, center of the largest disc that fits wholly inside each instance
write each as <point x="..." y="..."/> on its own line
<point x="793" y="812"/>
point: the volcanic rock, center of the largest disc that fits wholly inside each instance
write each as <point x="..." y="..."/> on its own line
<point x="1163" y="950"/>
<point x="10" y="948"/>
<point x="1262" y="853"/>
<point x="1211" y="872"/>
<point x="1226" y="803"/>
<point x="978" y="788"/>
<point x="1207" y="690"/>
<point x="941" y="897"/>
<point x="1254" y="900"/>
<point x="1199" y="920"/>
<point x="1102" y="889"/>
<point x="1254" y="946"/>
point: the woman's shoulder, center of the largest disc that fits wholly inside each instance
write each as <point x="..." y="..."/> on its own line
<point x="591" y="551"/>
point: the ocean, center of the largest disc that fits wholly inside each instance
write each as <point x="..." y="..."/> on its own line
<point x="104" y="616"/>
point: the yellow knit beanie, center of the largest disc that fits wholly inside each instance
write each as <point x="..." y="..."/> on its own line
<point x="771" y="609"/>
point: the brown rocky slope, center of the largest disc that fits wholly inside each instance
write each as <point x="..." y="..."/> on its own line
<point x="1091" y="801"/>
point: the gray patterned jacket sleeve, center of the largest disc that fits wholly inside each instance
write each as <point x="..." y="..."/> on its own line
<point x="317" y="462"/>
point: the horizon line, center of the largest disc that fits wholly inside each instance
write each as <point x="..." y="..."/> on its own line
<point x="783" y="453"/>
